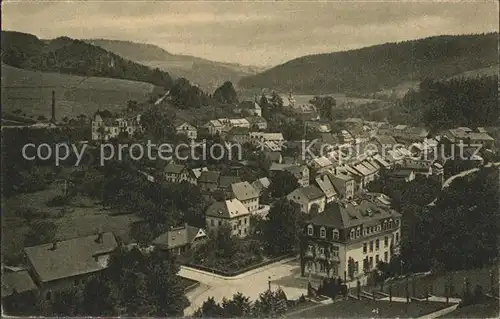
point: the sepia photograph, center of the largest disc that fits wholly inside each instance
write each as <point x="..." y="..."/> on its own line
<point x="250" y="159"/>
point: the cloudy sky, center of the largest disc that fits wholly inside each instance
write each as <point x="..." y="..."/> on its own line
<point x="265" y="33"/>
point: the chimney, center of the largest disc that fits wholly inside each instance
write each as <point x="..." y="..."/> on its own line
<point x="54" y="246"/>
<point x="99" y="238"/>
<point x="53" y="119"/>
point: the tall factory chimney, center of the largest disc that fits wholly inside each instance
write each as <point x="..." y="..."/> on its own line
<point x="53" y="119"/>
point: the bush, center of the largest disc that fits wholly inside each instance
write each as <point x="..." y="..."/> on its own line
<point x="58" y="201"/>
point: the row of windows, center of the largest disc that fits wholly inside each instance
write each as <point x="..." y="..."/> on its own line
<point x="334" y="250"/>
<point x="214" y="222"/>
<point x="322" y="232"/>
<point x="356" y="233"/>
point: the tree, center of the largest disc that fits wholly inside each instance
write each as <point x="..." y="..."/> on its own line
<point x="66" y="303"/>
<point x="283" y="227"/>
<point x="238" y="306"/>
<point x="41" y="232"/>
<point x="270" y="304"/>
<point x="210" y="309"/>
<point x="282" y="184"/>
<point x="325" y="105"/>
<point x="226" y="93"/>
<point x="350" y="268"/>
<point x="103" y="304"/>
<point x="276" y="101"/>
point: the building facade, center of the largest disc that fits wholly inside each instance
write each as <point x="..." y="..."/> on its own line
<point x="348" y="240"/>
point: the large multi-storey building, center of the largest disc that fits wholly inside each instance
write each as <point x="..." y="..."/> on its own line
<point x="347" y="233"/>
<point x="105" y="128"/>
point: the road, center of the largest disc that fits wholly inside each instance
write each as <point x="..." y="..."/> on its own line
<point x="283" y="274"/>
<point x="448" y="182"/>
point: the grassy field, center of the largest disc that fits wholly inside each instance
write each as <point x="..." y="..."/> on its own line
<point x="85" y="217"/>
<point x="364" y="309"/>
<point x="31" y="91"/>
<point x="437" y="284"/>
<point x="488" y="309"/>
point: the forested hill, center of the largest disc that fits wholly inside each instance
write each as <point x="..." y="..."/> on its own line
<point x="70" y="56"/>
<point x="380" y="67"/>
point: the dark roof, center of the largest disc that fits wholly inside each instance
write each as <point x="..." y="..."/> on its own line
<point x="274" y="156"/>
<point x="70" y="257"/>
<point x="345" y="214"/>
<point x="239" y="131"/>
<point x="209" y="177"/>
<point x="19" y="282"/>
<point x="173" y="168"/>
<point x="385" y="140"/>
<point x="226" y="181"/>
<point x="177" y="237"/>
<point x="311" y="192"/>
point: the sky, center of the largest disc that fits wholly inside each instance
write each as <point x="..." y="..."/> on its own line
<point x="250" y="33"/>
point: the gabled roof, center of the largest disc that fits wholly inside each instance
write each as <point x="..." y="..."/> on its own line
<point x="261" y="184"/>
<point x="381" y="161"/>
<point x="385" y="140"/>
<point x="70" y="257"/>
<point x="280" y="167"/>
<point x="177" y="237"/>
<point x="197" y="171"/>
<point x="230" y="208"/>
<point x="326" y="185"/>
<point x="244" y="191"/>
<point x="296" y="169"/>
<point x="310" y="192"/>
<point x="16" y="282"/>
<point x="227" y="181"/>
<point x="322" y="161"/>
<point x="215" y="123"/>
<point x="209" y="177"/>
<point x="173" y="168"/>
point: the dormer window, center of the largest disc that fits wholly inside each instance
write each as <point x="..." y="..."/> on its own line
<point x="358" y="232"/>
<point x="310" y="230"/>
<point x="335" y="234"/>
<point x="353" y="233"/>
<point x="384" y="225"/>
<point x="322" y="232"/>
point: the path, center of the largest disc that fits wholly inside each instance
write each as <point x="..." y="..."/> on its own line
<point x="250" y="284"/>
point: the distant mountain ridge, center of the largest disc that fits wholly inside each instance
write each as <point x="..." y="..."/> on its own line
<point x="75" y="57"/>
<point x="380" y="67"/>
<point x="207" y="74"/>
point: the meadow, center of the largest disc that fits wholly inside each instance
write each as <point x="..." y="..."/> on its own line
<point x="31" y="92"/>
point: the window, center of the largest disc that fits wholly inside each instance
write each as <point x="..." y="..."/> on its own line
<point x="379" y="228"/>
<point x="371" y="245"/>
<point x="371" y="262"/>
<point x="358" y="232"/>
<point x="365" y="263"/>
<point x="377" y="244"/>
<point x="356" y="267"/>
<point x="335" y="251"/>
<point x="335" y="234"/>
<point x="365" y="232"/>
<point x="310" y="230"/>
<point x="234" y="227"/>
<point x="239" y="222"/>
<point x="77" y="282"/>
<point x="211" y="222"/>
<point x="310" y="249"/>
<point x="48" y="295"/>
<point x="321" y="250"/>
<point x="322" y="232"/>
<point x="397" y="237"/>
<point x="352" y="234"/>
<point x="384" y="227"/>
<point x="322" y="267"/>
<point x="364" y="248"/>
<point x="386" y="241"/>
<point x="390" y="223"/>
<point x="385" y="257"/>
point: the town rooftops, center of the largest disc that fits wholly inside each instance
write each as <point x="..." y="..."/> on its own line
<point x="178" y="237"/>
<point x="209" y="177"/>
<point x="197" y="171"/>
<point x="244" y="191"/>
<point x="267" y="136"/>
<point x="230" y="208"/>
<point x="280" y="167"/>
<point x="226" y="181"/>
<point x="71" y="257"/>
<point x="173" y="168"/>
<point x="385" y="140"/>
<point x="215" y="123"/>
<point x="341" y="176"/>
<point x="322" y="161"/>
<point x="310" y="192"/>
<point x="261" y="184"/>
<point x="239" y="131"/>
<point x="326" y="185"/>
<point x="344" y="214"/>
<point x="16" y="282"/>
